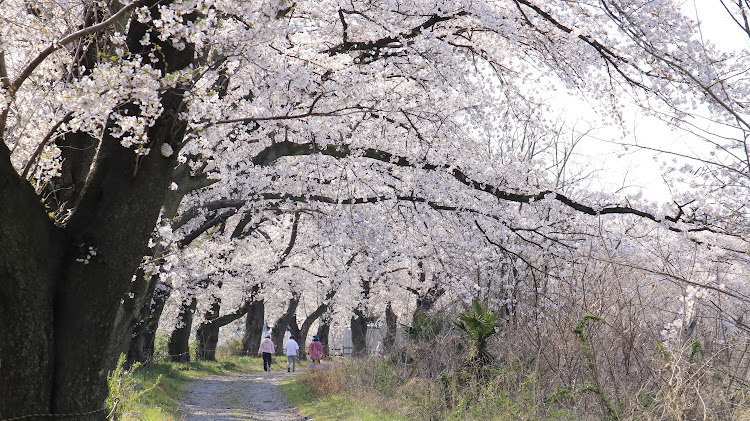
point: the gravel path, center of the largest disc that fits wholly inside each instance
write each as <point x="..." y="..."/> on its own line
<point x="251" y="396"/>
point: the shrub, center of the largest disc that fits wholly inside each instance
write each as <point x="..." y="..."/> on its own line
<point x="230" y="348"/>
<point x="322" y="380"/>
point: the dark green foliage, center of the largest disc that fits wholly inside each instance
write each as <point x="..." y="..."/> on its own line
<point x="479" y="324"/>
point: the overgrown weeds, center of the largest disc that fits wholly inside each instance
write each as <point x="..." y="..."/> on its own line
<point x="587" y="368"/>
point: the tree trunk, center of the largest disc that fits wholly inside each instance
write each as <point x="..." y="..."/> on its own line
<point x="30" y="267"/>
<point x="62" y="287"/>
<point x="359" y="321"/>
<point x="391" y="324"/>
<point x="309" y="320"/>
<point x="208" y="333"/>
<point x="179" y="342"/>
<point x="282" y="323"/>
<point x="60" y="304"/>
<point x="143" y="339"/>
<point x="359" y="333"/>
<point x="253" y="328"/>
<point x="324" y="330"/>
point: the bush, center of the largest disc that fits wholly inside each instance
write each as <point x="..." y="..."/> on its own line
<point x="322" y="380"/>
<point x="230" y="348"/>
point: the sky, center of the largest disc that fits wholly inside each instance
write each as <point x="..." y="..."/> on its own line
<point x="640" y="170"/>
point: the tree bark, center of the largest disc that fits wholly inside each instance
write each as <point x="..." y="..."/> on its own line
<point x="142" y="344"/>
<point x="391" y="325"/>
<point x="253" y="327"/>
<point x="360" y="319"/>
<point x="324" y="330"/>
<point x="303" y="331"/>
<point x="358" y="325"/>
<point x="282" y="323"/>
<point x="30" y="267"/>
<point x="179" y="342"/>
<point x="208" y="333"/>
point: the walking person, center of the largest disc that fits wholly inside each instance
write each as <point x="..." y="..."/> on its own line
<point x="315" y="350"/>
<point x="292" y="351"/>
<point x="267" y="349"/>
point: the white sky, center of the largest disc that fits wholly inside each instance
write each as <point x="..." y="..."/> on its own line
<point x="638" y="169"/>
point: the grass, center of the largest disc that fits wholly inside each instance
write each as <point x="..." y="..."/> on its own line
<point x="336" y="407"/>
<point x="153" y="392"/>
<point x="363" y="390"/>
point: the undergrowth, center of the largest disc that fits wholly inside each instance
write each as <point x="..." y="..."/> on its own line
<point x="370" y="389"/>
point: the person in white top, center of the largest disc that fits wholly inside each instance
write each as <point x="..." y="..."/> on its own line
<point x="292" y="351"/>
<point x="267" y="349"/>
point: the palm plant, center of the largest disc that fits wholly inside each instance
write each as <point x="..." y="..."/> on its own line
<point x="479" y="324"/>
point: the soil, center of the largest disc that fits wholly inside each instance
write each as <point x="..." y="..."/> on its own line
<point x="250" y="396"/>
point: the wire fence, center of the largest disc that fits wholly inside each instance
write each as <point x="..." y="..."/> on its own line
<point x="68" y="415"/>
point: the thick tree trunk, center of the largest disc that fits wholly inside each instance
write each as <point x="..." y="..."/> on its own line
<point x="76" y="295"/>
<point x="208" y="333"/>
<point x="30" y="266"/>
<point x="283" y="323"/>
<point x="360" y="320"/>
<point x="253" y="328"/>
<point x="358" y="325"/>
<point x="179" y="342"/>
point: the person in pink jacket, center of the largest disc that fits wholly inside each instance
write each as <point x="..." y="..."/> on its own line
<point x="267" y="349"/>
<point x="315" y="350"/>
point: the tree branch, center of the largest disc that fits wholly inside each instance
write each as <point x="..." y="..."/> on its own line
<point x="375" y="47"/>
<point x="43" y="143"/>
<point x="274" y="152"/>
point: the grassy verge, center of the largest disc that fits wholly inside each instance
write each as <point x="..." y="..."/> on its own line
<point x="372" y="389"/>
<point x="320" y="394"/>
<point x="336" y="407"/>
<point x="153" y="392"/>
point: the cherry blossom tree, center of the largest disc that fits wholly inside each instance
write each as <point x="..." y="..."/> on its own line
<point x="341" y="102"/>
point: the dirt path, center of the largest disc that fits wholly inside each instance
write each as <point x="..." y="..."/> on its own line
<point x="251" y="396"/>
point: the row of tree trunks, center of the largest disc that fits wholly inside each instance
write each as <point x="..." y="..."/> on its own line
<point x="208" y="332"/>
